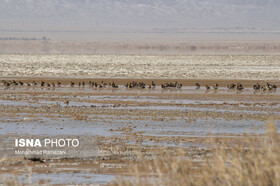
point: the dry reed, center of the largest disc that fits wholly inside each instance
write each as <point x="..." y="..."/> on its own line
<point x="254" y="161"/>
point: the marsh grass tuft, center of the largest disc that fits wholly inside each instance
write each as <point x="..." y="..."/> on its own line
<point x="254" y="161"/>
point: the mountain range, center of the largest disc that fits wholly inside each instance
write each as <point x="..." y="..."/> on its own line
<point x="88" y="15"/>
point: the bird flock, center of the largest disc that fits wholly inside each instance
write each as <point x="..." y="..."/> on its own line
<point x="132" y="84"/>
<point x="239" y="86"/>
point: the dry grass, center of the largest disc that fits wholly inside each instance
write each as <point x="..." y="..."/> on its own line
<point x="13" y="179"/>
<point x="255" y="161"/>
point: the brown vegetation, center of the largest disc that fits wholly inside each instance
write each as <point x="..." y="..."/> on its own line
<point x="256" y="161"/>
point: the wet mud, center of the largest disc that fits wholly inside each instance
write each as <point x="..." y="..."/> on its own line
<point x="125" y="123"/>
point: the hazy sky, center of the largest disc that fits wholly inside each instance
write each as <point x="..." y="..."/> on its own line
<point x="137" y="15"/>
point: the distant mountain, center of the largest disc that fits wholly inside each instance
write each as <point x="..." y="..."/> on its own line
<point x="138" y="14"/>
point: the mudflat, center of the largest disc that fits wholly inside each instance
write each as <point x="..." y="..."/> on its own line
<point x="120" y="125"/>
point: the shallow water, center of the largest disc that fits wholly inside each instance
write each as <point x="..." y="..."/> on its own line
<point x="62" y="178"/>
<point x="200" y="127"/>
<point x="49" y="127"/>
<point x="128" y="115"/>
<point x="122" y="89"/>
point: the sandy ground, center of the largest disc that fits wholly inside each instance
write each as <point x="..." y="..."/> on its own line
<point x="126" y="124"/>
<point x="245" y="67"/>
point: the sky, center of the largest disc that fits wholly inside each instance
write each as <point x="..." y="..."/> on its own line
<point x="138" y="15"/>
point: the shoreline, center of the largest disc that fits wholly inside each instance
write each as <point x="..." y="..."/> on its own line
<point x="124" y="80"/>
